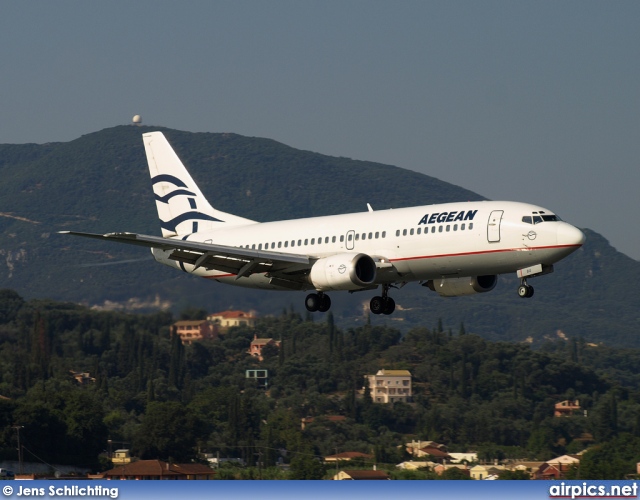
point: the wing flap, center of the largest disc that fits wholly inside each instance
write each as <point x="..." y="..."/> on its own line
<point x="235" y="260"/>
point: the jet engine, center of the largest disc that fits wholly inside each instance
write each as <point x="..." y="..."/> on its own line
<point x="345" y="271"/>
<point x="455" y="287"/>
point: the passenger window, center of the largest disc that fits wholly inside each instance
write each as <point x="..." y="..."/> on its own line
<point x="333" y="239"/>
<point x="455" y="227"/>
<point x="253" y="247"/>
<point x="462" y="227"/>
<point x="411" y="232"/>
<point x="279" y="244"/>
<point x="299" y="243"/>
<point x="350" y="237"/>
<point x="448" y="228"/>
<point x="326" y="240"/>
<point x="260" y="246"/>
<point x="439" y="229"/>
<point x="404" y="232"/>
<point x="377" y="235"/>
<point x="342" y="238"/>
<point x="433" y="229"/>
<point x="384" y="234"/>
<point x="398" y="232"/>
<point x="273" y="245"/>
<point x="470" y="226"/>
<point x="306" y="241"/>
<point x="419" y="231"/>
<point x="313" y="241"/>
<point x="370" y="236"/>
<point x="364" y="236"/>
<point x="286" y="244"/>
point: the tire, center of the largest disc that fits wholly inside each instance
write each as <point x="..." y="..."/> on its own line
<point x="376" y="306"/>
<point x="389" y="306"/>
<point x="325" y="303"/>
<point x="523" y="291"/>
<point x="312" y="302"/>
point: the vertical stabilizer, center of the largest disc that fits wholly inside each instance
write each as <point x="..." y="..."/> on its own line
<point x="182" y="208"/>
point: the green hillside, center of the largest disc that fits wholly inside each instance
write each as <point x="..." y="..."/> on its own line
<point x="100" y="183"/>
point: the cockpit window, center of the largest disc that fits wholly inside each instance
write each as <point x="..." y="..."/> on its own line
<point x="537" y="219"/>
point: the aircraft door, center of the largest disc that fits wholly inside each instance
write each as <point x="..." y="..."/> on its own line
<point x="350" y="241"/>
<point x="493" y="227"/>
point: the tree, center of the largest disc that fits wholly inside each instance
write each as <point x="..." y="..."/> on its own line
<point x="305" y="465"/>
<point x="168" y="431"/>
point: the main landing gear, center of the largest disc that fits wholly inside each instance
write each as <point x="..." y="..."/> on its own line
<point x="379" y="305"/>
<point x="317" y="302"/>
<point x="384" y="304"/>
<point x="525" y="291"/>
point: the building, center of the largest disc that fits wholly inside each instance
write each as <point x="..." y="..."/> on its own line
<point x="190" y="330"/>
<point x="461" y="458"/>
<point x="414" y="465"/>
<point x="260" y="377"/>
<point x="355" y="475"/>
<point x="304" y="421"/>
<point x="226" y="319"/>
<point x="557" y="467"/>
<point x="255" y="349"/>
<point x="442" y="468"/>
<point x="486" y="471"/>
<point x="82" y="378"/>
<point x="122" y="457"/>
<point x="566" y="408"/>
<point x="390" y="386"/>
<point x="159" y="470"/>
<point x="417" y="448"/>
<point x="348" y="456"/>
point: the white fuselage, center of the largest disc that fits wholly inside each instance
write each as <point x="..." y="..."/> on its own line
<point x="421" y="243"/>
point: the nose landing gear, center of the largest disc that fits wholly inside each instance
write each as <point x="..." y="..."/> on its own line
<point x="525" y="291"/>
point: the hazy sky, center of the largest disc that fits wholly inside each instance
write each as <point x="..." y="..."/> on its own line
<point x="530" y="101"/>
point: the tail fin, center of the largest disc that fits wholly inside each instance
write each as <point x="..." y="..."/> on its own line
<point x="182" y="207"/>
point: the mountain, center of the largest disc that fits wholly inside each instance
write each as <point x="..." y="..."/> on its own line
<point x="100" y="183"/>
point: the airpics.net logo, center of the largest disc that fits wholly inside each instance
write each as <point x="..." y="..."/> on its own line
<point x="586" y="490"/>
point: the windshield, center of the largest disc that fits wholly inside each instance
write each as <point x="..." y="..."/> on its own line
<point x="538" y="218"/>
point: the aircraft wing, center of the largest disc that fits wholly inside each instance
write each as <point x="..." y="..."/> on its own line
<point x="234" y="260"/>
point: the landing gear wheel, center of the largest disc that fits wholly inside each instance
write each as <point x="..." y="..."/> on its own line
<point x="325" y="303"/>
<point x="317" y="302"/>
<point x="389" y="306"/>
<point x="525" y="291"/>
<point x="377" y="305"/>
<point x="312" y="302"/>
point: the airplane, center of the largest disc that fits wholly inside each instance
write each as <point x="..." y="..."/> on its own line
<point x="454" y="249"/>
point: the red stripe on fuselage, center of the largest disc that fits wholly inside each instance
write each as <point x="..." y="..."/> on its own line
<point x="484" y="252"/>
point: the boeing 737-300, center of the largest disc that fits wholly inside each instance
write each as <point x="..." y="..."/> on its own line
<point x="453" y="249"/>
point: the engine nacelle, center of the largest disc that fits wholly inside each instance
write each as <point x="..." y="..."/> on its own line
<point x="455" y="287"/>
<point x="345" y="271"/>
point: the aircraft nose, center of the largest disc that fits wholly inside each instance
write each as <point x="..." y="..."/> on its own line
<point x="569" y="235"/>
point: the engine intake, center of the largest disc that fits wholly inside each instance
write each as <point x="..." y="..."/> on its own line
<point x="345" y="271"/>
<point x="455" y="287"/>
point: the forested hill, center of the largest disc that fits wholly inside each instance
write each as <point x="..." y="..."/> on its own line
<point x="100" y="183"/>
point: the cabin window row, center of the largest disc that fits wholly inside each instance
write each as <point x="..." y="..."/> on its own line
<point x="448" y="228"/>
<point x="319" y="241"/>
